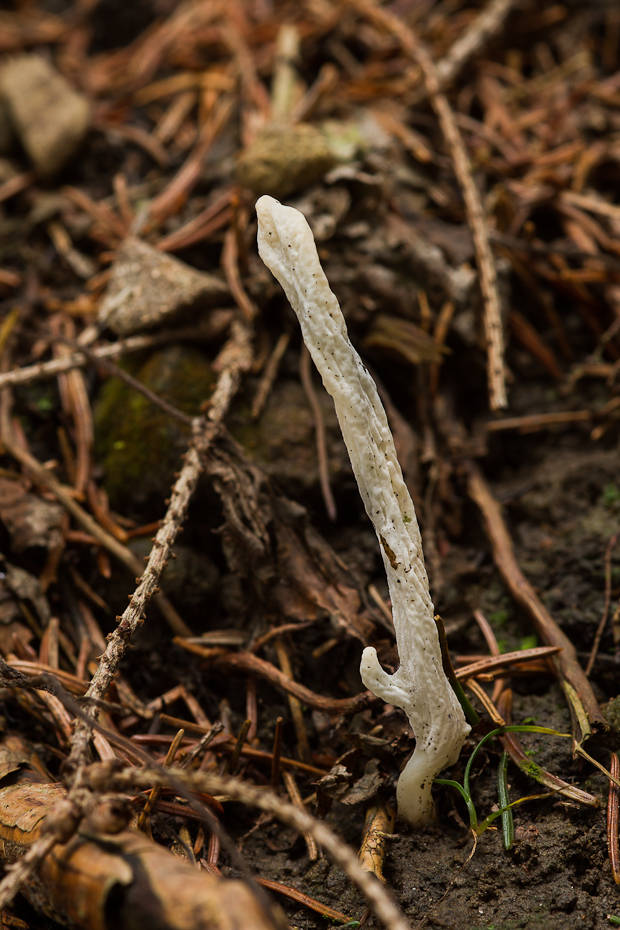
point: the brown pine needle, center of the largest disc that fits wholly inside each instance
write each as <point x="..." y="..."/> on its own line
<point x="613" y="803"/>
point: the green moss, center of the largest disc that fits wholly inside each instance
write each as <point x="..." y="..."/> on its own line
<point x="532" y="769"/>
<point x="611" y="495"/>
<point x="138" y="444"/>
<point x="611" y="710"/>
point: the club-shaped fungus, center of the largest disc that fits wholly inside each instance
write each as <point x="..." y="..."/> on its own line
<point x="419" y="687"/>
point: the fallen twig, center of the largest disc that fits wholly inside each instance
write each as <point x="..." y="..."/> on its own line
<point x="248" y="662"/>
<point x="218" y="321"/>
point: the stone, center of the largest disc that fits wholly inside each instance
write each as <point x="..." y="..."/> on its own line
<point x="49" y="117"/>
<point x="284" y="158"/>
<point x="149" y="288"/>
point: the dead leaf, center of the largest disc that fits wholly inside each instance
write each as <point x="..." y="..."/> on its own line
<point x="29" y="519"/>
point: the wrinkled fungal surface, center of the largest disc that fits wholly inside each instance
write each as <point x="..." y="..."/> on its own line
<point x="419" y="687"/>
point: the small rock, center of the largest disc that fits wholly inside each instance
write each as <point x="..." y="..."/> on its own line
<point x="148" y="288"/>
<point x="49" y="117"/>
<point x="285" y="158"/>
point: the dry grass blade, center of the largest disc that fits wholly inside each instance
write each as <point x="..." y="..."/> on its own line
<point x="294" y="895"/>
<point x="513" y="747"/>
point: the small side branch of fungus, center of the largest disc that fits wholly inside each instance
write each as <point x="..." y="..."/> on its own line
<point x="419" y="687"/>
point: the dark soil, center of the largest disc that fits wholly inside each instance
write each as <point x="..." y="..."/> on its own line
<point x="178" y="92"/>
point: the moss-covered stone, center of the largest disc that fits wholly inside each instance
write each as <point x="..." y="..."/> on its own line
<point x="138" y="444"/>
<point x="611" y="710"/>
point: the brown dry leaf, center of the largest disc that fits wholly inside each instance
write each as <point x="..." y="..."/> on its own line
<point x="30" y="520"/>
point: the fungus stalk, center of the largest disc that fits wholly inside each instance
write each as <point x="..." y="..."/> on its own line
<point x="420" y="687"/>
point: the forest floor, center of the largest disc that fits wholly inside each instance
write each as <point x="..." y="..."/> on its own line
<point x="459" y="164"/>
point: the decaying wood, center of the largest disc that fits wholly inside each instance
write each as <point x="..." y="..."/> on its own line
<point x="123" y="880"/>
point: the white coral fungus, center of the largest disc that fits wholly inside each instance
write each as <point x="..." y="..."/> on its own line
<point x="419" y="687"/>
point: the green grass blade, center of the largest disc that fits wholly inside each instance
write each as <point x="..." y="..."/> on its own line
<point x="508" y="825"/>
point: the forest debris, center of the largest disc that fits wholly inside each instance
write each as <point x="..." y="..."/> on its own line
<point x="78" y="881"/>
<point x="305" y="374"/>
<point x="122" y="553"/>
<point x="379" y="822"/>
<point x="527" y="335"/>
<point x="524" y="594"/>
<point x="233" y="360"/>
<point x="6" y="129"/>
<point x="493" y="326"/>
<point x="403" y="338"/>
<point x="293" y="894"/>
<point x="29" y="519"/>
<point x="216" y="324"/>
<point x="148" y="288"/>
<point x="297" y="715"/>
<point x="282" y="441"/>
<point x="520" y="757"/>
<point x="380" y="902"/>
<point x="294" y="794"/>
<point x="48" y="115"/>
<point x="26" y="587"/>
<point x="248" y="662"/>
<point x="489" y="666"/>
<point x="366" y="787"/>
<point x="311" y="580"/>
<point x="129" y="426"/>
<point x="12" y="626"/>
